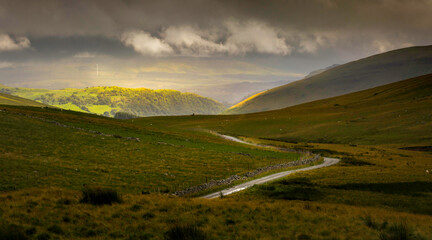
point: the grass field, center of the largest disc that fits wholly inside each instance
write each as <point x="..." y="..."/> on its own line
<point x="378" y="191"/>
<point x="35" y="153"/>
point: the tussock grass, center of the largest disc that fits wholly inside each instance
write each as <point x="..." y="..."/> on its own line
<point x="185" y="232"/>
<point x="12" y="232"/>
<point x="399" y="231"/>
<point x="100" y="196"/>
<point x="227" y="218"/>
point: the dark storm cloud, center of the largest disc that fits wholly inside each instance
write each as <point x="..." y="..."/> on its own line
<point x="52" y="48"/>
<point x="197" y="44"/>
<point x="233" y="27"/>
<point x="111" y="17"/>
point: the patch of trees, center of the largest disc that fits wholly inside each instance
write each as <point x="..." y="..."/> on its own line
<point x="124" y="115"/>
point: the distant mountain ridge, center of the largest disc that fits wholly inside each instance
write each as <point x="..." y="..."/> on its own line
<point x="110" y="100"/>
<point x="354" y="76"/>
<point x="318" y="71"/>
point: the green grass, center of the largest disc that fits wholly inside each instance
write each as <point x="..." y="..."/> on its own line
<point x="36" y="153"/>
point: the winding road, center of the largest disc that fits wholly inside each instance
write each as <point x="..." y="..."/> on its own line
<point x="327" y="162"/>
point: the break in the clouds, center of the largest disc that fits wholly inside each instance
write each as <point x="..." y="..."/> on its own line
<point x="214" y="46"/>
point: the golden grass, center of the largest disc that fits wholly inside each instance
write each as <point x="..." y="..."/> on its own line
<point x="152" y="215"/>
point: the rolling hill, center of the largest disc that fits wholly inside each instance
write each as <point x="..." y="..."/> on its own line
<point x="48" y="155"/>
<point x="110" y="100"/>
<point x="351" y="77"/>
<point x="399" y="112"/>
<point x="7" y="99"/>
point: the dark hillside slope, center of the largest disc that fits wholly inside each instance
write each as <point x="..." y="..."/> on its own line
<point x="358" y="75"/>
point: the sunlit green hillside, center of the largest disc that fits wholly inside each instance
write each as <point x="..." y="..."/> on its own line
<point x="7" y="99"/>
<point x="109" y="100"/>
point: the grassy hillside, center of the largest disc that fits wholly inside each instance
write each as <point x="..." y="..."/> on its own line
<point x="378" y="191"/>
<point x="7" y="99"/>
<point x="109" y="100"/>
<point x="351" y="77"/>
<point x="36" y="150"/>
<point x="399" y="113"/>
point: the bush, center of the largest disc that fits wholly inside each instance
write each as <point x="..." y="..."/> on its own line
<point x="303" y="237"/>
<point x="189" y="232"/>
<point x="55" y="229"/>
<point x="100" y="196"/>
<point x="398" y="232"/>
<point x="43" y="236"/>
<point x="348" y="161"/>
<point x="124" y="115"/>
<point x="12" y="232"/>
<point x="148" y="215"/>
<point x="135" y="208"/>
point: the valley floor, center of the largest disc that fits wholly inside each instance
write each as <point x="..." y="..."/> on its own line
<point x="377" y="191"/>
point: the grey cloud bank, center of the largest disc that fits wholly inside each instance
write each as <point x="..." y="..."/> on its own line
<point x="53" y="43"/>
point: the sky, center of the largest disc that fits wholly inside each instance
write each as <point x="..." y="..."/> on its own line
<point x="223" y="49"/>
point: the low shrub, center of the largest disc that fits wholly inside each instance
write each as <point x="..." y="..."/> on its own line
<point x="12" y="232"/>
<point x="148" y="215"/>
<point x="43" y="236"/>
<point x="370" y="222"/>
<point x="181" y="232"/>
<point x="303" y="236"/>
<point x="399" y="231"/>
<point x="349" y="161"/>
<point x="135" y="208"/>
<point x="55" y="229"/>
<point x="100" y="196"/>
